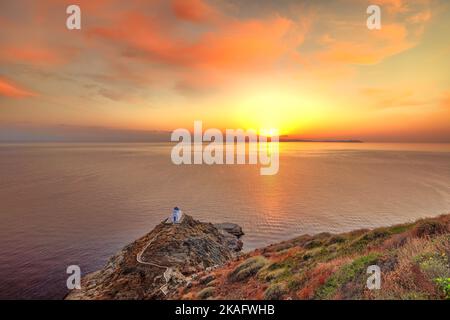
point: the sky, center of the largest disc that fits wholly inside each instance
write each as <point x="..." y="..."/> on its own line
<point x="311" y="69"/>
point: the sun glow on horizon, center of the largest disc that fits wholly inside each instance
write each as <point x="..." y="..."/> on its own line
<point x="288" y="109"/>
<point x="269" y="132"/>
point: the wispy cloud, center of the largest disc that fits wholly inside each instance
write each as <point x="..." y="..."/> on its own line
<point x="11" y="90"/>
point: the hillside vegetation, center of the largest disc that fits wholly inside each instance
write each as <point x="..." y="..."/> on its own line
<point x="414" y="260"/>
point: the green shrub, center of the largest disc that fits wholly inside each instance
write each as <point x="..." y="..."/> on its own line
<point x="266" y="274"/>
<point x="444" y="285"/>
<point x="206" y="293"/>
<point x="313" y="244"/>
<point x="274" y="292"/>
<point x="294" y="283"/>
<point x="247" y="268"/>
<point x="336" y="239"/>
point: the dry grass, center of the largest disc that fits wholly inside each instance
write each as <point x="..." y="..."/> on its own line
<point x="409" y="280"/>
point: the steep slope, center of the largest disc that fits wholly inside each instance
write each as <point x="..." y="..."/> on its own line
<point x="414" y="260"/>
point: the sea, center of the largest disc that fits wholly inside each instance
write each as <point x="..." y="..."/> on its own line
<point x="67" y="204"/>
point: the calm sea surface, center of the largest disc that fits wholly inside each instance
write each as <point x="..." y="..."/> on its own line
<point x="63" y="204"/>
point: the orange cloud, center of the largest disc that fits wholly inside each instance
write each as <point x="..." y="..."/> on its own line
<point x="368" y="47"/>
<point x="193" y="10"/>
<point x="240" y="44"/>
<point x="392" y="40"/>
<point x="228" y="45"/>
<point x="11" y="90"/>
<point x="393" y="6"/>
<point x="233" y="44"/>
<point x="31" y="55"/>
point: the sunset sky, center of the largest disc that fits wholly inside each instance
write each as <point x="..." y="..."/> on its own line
<point x="311" y="69"/>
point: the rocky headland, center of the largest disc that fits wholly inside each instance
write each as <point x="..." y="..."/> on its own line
<point x="169" y="256"/>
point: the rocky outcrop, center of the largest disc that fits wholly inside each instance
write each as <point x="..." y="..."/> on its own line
<point x="232" y="228"/>
<point x="162" y="260"/>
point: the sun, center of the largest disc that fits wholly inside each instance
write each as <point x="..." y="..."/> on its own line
<point x="270" y="111"/>
<point x="269" y="132"/>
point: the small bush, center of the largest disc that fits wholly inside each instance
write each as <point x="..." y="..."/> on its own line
<point x="247" y="268"/>
<point x="336" y="239"/>
<point x="269" y="275"/>
<point x="294" y="283"/>
<point x="429" y="228"/>
<point x="444" y="285"/>
<point x="313" y="244"/>
<point x="206" y="293"/>
<point x="206" y="279"/>
<point x="274" y="292"/>
<point x="376" y="234"/>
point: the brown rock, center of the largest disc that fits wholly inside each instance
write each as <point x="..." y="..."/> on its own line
<point x="173" y="251"/>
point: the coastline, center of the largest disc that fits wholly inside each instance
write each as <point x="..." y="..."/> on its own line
<point x="413" y="258"/>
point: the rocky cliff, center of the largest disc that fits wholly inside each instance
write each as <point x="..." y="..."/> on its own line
<point x="168" y="257"/>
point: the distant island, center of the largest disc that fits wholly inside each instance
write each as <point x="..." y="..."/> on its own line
<point x="197" y="260"/>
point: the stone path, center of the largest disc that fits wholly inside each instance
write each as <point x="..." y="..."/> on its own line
<point x="168" y="271"/>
